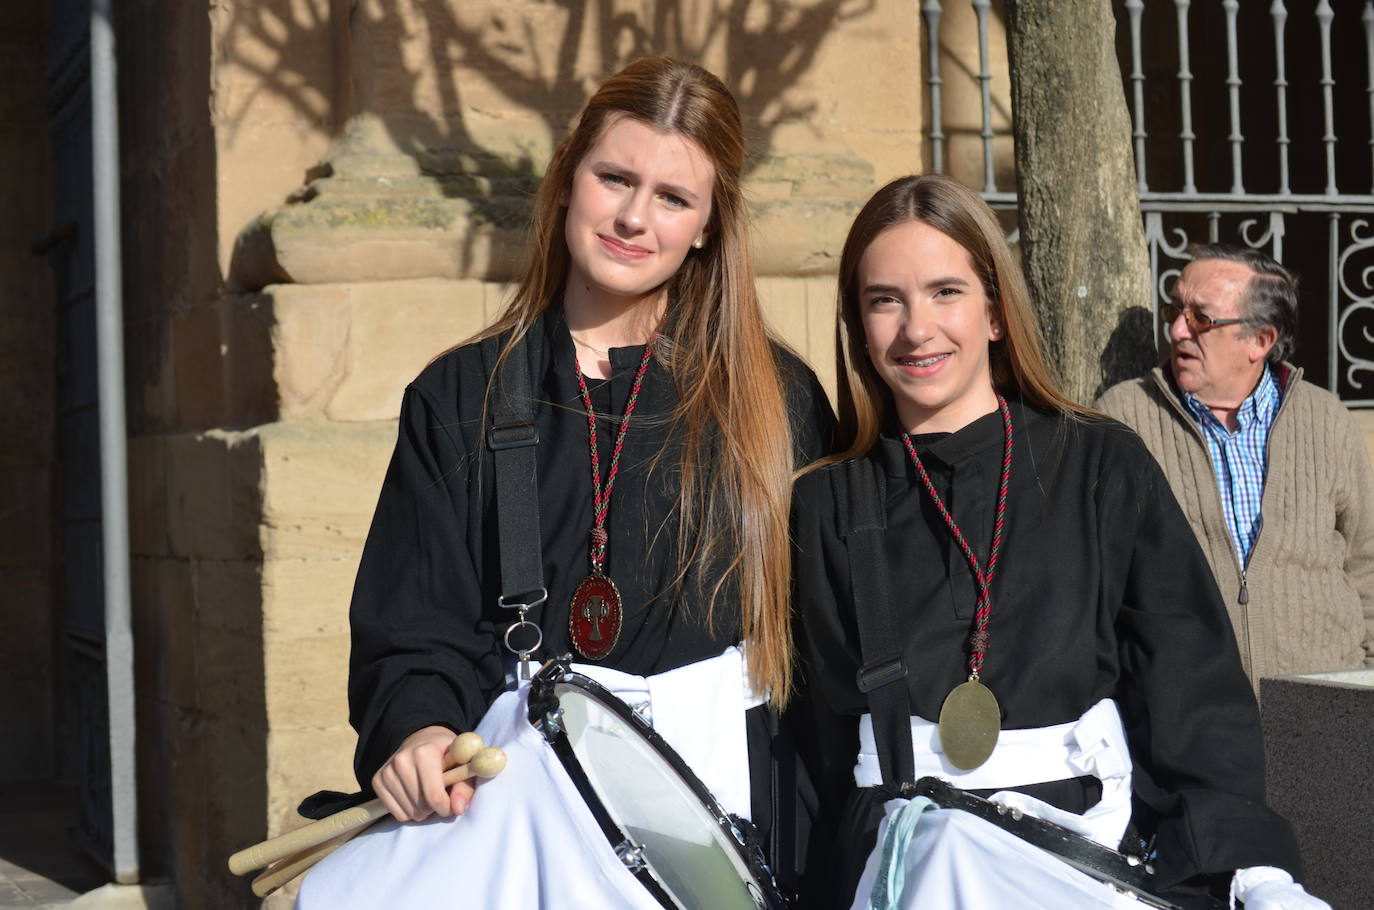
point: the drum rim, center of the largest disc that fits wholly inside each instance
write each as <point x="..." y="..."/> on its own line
<point x="559" y="670"/>
<point x="1099" y="862"/>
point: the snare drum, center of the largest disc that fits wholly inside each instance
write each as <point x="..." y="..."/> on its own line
<point x="658" y="817"/>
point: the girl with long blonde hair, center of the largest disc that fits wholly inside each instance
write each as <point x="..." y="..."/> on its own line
<point x="668" y="428"/>
<point x="998" y="590"/>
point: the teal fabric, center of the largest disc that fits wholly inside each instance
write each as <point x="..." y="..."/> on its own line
<point x="891" y="879"/>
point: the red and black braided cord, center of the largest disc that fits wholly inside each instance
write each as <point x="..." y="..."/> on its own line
<point x="982" y="617"/>
<point x="601" y="496"/>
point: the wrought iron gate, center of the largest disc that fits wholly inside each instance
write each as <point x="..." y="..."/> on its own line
<point x="1305" y="85"/>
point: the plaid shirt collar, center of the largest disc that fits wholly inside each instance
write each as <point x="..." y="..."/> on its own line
<point x="1240" y="459"/>
<point x="1260" y="405"/>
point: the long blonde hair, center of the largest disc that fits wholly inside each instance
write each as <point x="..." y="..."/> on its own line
<point x="736" y="466"/>
<point x="1017" y="359"/>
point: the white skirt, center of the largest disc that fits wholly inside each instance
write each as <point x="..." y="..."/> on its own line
<point x="527" y="840"/>
<point x="957" y="861"/>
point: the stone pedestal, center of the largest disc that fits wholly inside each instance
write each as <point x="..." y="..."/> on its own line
<point x="374" y="214"/>
<point x="1319" y="744"/>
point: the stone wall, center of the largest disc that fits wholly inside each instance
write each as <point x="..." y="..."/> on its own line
<point x="28" y="335"/>
<point x="405" y="238"/>
<point x="203" y="149"/>
<point x="348" y="204"/>
<point x="177" y="389"/>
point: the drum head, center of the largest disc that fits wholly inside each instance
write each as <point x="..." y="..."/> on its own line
<point x="680" y="827"/>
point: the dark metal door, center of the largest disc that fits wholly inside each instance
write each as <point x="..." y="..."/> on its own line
<point x="82" y="696"/>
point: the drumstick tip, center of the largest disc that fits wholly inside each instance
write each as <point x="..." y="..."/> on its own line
<point x="464" y="747"/>
<point x="489" y="762"/>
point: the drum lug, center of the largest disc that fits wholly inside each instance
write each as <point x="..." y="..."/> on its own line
<point x="1015" y="813"/>
<point x="744" y="832"/>
<point x="552" y="724"/>
<point x="631" y="855"/>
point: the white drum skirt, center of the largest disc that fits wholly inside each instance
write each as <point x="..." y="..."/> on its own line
<point x="528" y="839"/>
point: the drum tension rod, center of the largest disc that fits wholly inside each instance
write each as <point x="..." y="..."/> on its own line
<point x="631" y="854"/>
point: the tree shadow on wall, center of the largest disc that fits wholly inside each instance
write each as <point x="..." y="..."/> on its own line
<point x="542" y="58"/>
<point x="1130" y="350"/>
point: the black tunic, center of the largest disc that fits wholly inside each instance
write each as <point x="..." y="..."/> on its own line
<point x="425" y="624"/>
<point x="1101" y="592"/>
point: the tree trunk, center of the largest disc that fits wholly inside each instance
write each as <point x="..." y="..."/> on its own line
<point x="1082" y="243"/>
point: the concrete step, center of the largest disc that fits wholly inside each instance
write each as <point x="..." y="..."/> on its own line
<point x="41" y="863"/>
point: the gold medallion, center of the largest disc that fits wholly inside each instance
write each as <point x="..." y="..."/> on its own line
<point x="970" y="721"/>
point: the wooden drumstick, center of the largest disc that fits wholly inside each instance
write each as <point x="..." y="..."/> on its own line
<point x="486" y="763"/>
<point x="275" y="876"/>
<point x="459" y="752"/>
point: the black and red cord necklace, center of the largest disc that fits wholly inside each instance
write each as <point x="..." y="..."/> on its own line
<point x="595" y="616"/>
<point x="970" y="718"/>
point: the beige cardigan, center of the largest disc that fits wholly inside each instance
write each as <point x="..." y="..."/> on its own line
<point x="1310" y="577"/>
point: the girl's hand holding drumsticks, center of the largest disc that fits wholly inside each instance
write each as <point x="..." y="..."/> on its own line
<point x="480" y="762"/>
<point x="410" y="784"/>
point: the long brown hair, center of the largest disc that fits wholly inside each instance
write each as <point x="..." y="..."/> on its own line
<point x="736" y="466"/>
<point x="1017" y="359"/>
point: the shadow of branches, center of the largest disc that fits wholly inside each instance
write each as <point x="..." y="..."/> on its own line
<point x="542" y="58"/>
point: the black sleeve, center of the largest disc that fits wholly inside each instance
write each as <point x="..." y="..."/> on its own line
<point x="827" y="740"/>
<point x="1189" y="711"/>
<point x="809" y="415"/>
<point x="827" y="633"/>
<point x="827" y="643"/>
<point x="422" y="652"/>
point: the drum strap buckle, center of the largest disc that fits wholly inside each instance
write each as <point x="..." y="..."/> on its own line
<point x="523" y="649"/>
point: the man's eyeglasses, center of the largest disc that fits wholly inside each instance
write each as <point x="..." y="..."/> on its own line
<point x="1197" y="320"/>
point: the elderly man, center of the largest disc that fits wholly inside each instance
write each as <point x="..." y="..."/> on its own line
<point x="1271" y="471"/>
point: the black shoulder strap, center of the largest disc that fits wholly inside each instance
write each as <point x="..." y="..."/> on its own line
<point x="512" y="436"/>
<point x="860" y="494"/>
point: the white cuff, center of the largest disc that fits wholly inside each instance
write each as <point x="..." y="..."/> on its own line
<point x="1270" y="888"/>
<point x="1246" y="879"/>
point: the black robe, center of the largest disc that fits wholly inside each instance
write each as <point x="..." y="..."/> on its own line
<point x="1102" y="591"/>
<point x="426" y="627"/>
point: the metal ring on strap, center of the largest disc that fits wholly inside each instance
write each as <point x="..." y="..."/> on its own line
<point x="516" y="625"/>
<point x="530" y="605"/>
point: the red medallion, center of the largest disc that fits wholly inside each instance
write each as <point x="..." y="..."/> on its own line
<point x="594" y="617"/>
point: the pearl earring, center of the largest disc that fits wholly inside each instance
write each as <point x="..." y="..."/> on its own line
<point x="698" y="243"/>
